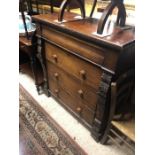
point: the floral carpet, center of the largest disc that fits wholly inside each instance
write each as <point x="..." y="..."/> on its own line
<point x="39" y="134"/>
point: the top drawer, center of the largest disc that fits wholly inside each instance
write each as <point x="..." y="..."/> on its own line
<point x="102" y="56"/>
<point x="83" y="70"/>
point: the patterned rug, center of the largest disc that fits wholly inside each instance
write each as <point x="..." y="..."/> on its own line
<point x="39" y="134"/>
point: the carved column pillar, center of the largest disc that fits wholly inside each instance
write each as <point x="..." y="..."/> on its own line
<point x="102" y="109"/>
<point x="40" y="56"/>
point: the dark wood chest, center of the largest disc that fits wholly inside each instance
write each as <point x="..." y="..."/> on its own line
<point x="79" y="66"/>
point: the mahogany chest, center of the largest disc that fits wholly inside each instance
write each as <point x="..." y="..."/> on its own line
<point x="79" y="66"/>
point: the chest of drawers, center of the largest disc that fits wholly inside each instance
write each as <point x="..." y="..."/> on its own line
<point x="78" y="66"/>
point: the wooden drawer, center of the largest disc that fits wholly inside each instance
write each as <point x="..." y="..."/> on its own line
<point x="106" y="57"/>
<point x="72" y="86"/>
<point x="73" y="105"/>
<point x="83" y="70"/>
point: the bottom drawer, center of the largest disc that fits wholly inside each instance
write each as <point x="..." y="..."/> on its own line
<point x="75" y="106"/>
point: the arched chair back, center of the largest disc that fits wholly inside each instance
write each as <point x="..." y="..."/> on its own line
<point x="66" y="3"/>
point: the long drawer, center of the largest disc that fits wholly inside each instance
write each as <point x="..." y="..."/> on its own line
<point x="70" y="103"/>
<point x="72" y="86"/>
<point x="96" y="54"/>
<point x="81" y="69"/>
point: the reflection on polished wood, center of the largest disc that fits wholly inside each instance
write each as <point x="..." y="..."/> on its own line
<point x="25" y="41"/>
<point x="126" y="127"/>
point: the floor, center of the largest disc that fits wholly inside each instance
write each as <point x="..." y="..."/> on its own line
<point x="75" y="129"/>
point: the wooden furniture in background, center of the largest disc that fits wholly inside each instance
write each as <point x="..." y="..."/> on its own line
<point x="27" y="43"/>
<point x="55" y="3"/>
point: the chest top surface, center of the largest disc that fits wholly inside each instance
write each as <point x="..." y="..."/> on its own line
<point x="86" y="29"/>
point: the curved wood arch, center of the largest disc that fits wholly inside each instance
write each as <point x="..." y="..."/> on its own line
<point x="64" y="5"/>
<point x="93" y="8"/>
<point x="121" y="16"/>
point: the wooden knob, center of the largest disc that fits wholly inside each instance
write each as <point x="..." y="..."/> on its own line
<point x="56" y="75"/>
<point x="83" y="74"/>
<point x="55" y="57"/>
<point x="56" y="91"/>
<point x="80" y="92"/>
<point x="78" y="109"/>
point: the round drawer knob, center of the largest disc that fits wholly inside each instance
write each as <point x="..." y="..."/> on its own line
<point x="78" y="109"/>
<point x="83" y="74"/>
<point x="55" y="58"/>
<point x="56" y="75"/>
<point x="56" y="91"/>
<point x="80" y="92"/>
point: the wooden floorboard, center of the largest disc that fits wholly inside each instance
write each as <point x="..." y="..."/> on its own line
<point x="126" y="127"/>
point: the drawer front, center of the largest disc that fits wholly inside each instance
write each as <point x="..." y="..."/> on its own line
<point x="72" y="86"/>
<point x="84" y="71"/>
<point x="100" y="55"/>
<point x="73" y="105"/>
